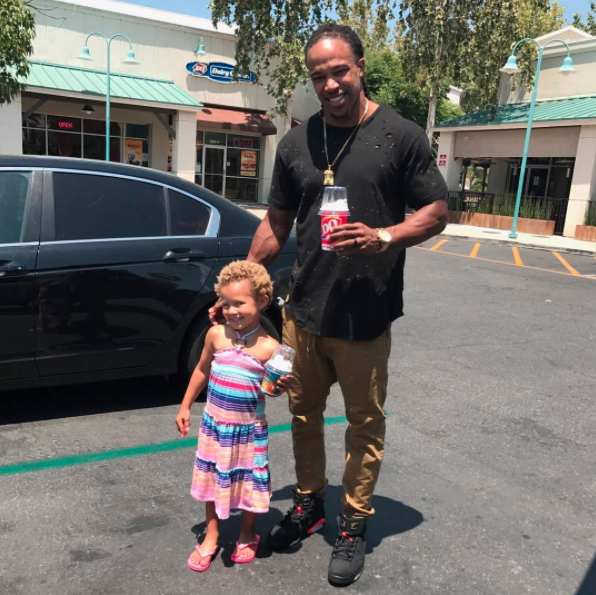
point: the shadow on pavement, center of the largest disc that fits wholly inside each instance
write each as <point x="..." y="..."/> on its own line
<point x="22" y="406"/>
<point x="391" y="517"/>
<point x="588" y="586"/>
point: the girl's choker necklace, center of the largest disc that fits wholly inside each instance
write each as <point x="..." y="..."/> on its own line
<point x="241" y="339"/>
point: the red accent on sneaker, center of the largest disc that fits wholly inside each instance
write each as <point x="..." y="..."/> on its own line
<point x="316" y="527"/>
<point x="299" y="509"/>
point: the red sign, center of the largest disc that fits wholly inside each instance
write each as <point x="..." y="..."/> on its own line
<point x="200" y="68"/>
<point x="243" y="143"/>
<point x="63" y="125"/>
<point x="442" y="157"/>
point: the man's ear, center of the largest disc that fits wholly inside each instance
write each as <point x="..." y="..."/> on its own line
<point x="361" y="63"/>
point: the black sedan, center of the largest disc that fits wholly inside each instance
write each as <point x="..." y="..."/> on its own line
<point x="107" y="270"/>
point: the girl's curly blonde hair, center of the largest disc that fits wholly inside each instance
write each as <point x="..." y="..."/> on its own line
<point x="243" y="270"/>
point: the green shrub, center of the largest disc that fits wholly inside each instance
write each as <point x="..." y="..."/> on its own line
<point x="533" y="208"/>
<point x="591" y="214"/>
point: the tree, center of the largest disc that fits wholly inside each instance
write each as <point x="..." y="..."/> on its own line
<point x="270" y="37"/>
<point x="590" y="25"/>
<point x="389" y="86"/>
<point x="369" y="21"/>
<point x="17" y="29"/>
<point x="467" y="41"/>
<point x="434" y="34"/>
<point x="494" y="31"/>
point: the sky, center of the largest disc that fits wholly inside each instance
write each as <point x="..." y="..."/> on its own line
<point x="199" y="8"/>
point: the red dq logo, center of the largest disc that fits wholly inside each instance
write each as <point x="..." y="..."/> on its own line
<point x="328" y="224"/>
<point x="200" y="68"/>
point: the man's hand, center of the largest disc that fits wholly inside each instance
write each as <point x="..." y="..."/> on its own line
<point x="216" y="314"/>
<point x="354" y="238"/>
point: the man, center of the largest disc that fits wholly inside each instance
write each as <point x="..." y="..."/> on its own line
<point x="342" y="302"/>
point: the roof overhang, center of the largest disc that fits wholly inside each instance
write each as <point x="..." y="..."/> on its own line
<point x="82" y="84"/>
<point x="520" y="125"/>
<point x="216" y="118"/>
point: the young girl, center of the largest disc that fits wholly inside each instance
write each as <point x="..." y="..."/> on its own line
<point x="231" y="466"/>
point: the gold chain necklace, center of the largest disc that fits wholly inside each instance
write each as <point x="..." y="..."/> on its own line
<point x="329" y="179"/>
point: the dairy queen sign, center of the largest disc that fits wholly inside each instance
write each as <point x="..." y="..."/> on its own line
<point x="219" y="72"/>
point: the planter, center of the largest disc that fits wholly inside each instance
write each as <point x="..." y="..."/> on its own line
<point x="533" y="226"/>
<point x="585" y="232"/>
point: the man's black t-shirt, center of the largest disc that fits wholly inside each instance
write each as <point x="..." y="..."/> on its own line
<point x="387" y="166"/>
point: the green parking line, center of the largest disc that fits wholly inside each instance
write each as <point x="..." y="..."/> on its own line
<point x="122" y="453"/>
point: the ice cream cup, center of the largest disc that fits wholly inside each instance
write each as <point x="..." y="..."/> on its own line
<point x="334" y="212"/>
<point x="330" y="219"/>
<point x="272" y="375"/>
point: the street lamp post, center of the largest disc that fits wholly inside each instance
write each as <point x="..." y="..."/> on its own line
<point x="512" y="68"/>
<point x="130" y="59"/>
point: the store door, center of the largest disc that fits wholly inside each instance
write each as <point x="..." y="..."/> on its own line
<point x="537" y="179"/>
<point x="213" y="169"/>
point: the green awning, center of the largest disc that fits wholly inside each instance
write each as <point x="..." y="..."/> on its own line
<point x="72" y="79"/>
<point x="557" y="110"/>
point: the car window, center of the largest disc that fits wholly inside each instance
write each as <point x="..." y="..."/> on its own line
<point x="89" y="207"/>
<point x="15" y="188"/>
<point x="188" y="217"/>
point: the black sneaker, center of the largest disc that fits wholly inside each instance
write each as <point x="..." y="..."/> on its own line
<point x="347" y="558"/>
<point x="306" y="516"/>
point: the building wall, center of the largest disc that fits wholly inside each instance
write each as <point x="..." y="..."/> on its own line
<point x="163" y="51"/>
<point x="552" y="84"/>
<point x="544" y="142"/>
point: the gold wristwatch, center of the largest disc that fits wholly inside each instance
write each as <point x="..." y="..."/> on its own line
<point x="384" y="238"/>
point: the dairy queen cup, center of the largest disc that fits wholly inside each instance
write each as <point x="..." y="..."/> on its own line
<point x="334" y="211"/>
<point x="279" y="365"/>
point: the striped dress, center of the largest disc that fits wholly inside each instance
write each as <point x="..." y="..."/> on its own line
<point x="231" y="464"/>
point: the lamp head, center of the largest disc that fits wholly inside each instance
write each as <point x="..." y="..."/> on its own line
<point x="85" y="55"/>
<point x="88" y="109"/>
<point x="130" y="58"/>
<point x="510" y="66"/>
<point x="200" y="51"/>
<point x="567" y="67"/>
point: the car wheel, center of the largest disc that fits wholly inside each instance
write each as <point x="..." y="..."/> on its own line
<point x="196" y="341"/>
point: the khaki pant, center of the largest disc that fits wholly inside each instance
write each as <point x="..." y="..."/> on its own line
<point x="360" y="367"/>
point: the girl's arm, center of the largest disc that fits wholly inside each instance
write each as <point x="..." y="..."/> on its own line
<point x="198" y="381"/>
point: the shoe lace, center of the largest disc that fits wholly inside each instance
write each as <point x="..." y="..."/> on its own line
<point x="344" y="547"/>
<point x="294" y="515"/>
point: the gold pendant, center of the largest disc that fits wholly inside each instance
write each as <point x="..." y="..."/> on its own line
<point x="328" y="180"/>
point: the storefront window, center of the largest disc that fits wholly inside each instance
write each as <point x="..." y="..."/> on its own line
<point x="229" y="164"/>
<point x="94" y="147"/>
<point x="63" y="136"/>
<point x="545" y="177"/>
<point x="245" y="190"/>
<point x="215" y="138"/>
<point x="243" y="142"/>
<point x="64" y="144"/>
<point x="35" y="121"/>
<point x="199" y="161"/>
<point x="34" y="142"/>
<point x="99" y="127"/>
<point x="64" y="124"/>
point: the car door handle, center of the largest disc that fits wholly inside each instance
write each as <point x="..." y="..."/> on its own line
<point x="12" y="269"/>
<point x="183" y="255"/>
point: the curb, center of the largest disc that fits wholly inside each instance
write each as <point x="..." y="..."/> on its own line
<point x="493" y="241"/>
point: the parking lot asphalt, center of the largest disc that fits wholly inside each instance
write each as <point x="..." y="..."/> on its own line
<point x="487" y="485"/>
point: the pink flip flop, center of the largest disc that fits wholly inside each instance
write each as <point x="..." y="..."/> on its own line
<point x="200" y="567"/>
<point x="243" y="546"/>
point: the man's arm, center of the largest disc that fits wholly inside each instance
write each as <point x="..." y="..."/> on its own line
<point x="271" y="236"/>
<point x="421" y="225"/>
<point x="357" y="238"/>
